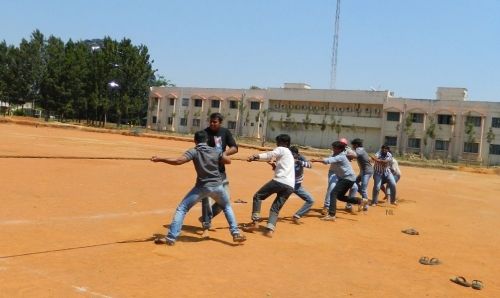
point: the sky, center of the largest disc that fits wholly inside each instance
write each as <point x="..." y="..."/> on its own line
<point x="408" y="47"/>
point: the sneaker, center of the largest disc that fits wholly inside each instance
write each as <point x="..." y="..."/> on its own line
<point x="239" y="238"/>
<point x="324" y="211"/>
<point x="348" y="208"/>
<point x="363" y="206"/>
<point x="328" y="218"/>
<point x="166" y="241"/>
<point x="296" y="220"/>
<point x="268" y="233"/>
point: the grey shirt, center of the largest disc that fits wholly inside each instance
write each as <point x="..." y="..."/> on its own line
<point x="206" y="163"/>
<point x="341" y="166"/>
<point x="365" y="167"/>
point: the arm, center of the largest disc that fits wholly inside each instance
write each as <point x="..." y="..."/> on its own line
<point x="171" y="161"/>
<point x="225" y="159"/>
<point x="231" y="143"/>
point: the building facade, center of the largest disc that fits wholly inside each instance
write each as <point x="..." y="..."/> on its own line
<point x="449" y="127"/>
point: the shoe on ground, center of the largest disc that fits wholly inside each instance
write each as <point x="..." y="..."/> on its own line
<point x="166" y="241"/>
<point x="239" y="238"/>
<point x="205" y="234"/>
<point x="395" y="203"/>
<point x="364" y="205"/>
<point x="324" y="211"/>
<point x="328" y="218"/>
<point x="250" y="227"/>
<point x="348" y="208"/>
<point x="296" y="220"/>
<point x="269" y="233"/>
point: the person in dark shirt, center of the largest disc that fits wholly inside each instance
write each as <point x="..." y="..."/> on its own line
<point x="209" y="180"/>
<point x="219" y="138"/>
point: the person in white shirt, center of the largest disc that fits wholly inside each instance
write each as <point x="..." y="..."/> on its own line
<point x="282" y="183"/>
<point x="396" y="172"/>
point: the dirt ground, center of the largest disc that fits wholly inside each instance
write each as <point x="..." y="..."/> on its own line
<point x="72" y="228"/>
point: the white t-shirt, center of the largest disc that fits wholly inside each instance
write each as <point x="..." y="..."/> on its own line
<point x="285" y="170"/>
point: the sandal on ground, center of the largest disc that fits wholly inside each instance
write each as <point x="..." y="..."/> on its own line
<point x="477" y="284"/>
<point x="410" y="231"/>
<point x="427" y="261"/>
<point x="460" y="280"/>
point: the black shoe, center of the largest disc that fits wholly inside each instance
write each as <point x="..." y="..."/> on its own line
<point x="166" y="241"/>
<point x="239" y="238"/>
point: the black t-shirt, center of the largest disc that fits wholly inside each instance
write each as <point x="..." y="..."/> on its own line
<point x="220" y="140"/>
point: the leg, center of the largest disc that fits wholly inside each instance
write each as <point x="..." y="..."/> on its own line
<point x="365" y="178"/>
<point x="332" y="180"/>
<point x="187" y="203"/>
<point x="308" y="200"/>
<point x="377" y="182"/>
<point x="216" y="208"/>
<point x="283" y="193"/>
<point x="391" y="183"/>
<point x="263" y="193"/>
<point x="338" y="191"/>
<point x="206" y="213"/>
<point x="222" y="198"/>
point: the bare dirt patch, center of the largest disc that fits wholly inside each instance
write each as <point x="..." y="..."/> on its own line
<point x="68" y="228"/>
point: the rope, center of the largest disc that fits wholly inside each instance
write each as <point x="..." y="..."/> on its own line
<point x="91" y="157"/>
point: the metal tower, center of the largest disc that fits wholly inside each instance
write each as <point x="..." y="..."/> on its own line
<point x="333" y="72"/>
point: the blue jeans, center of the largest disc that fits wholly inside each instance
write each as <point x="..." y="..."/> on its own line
<point x="282" y="192"/>
<point x="208" y="212"/>
<point x="363" y="184"/>
<point x="332" y="181"/>
<point x="218" y="193"/>
<point x="377" y="178"/>
<point x="304" y="195"/>
<point x="384" y="189"/>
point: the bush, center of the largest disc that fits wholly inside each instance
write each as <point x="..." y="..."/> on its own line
<point x="19" y="112"/>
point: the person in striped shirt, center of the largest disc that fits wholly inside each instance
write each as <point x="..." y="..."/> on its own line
<point x="382" y="172"/>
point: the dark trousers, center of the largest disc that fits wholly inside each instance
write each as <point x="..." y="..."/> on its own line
<point x="338" y="193"/>
<point x="282" y="192"/>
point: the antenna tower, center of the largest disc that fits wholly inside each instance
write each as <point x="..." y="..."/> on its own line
<point x="333" y="72"/>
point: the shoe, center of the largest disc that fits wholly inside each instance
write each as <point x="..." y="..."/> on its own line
<point x="348" y="208"/>
<point x="166" y="241"/>
<point x="250" y="227"/>
<point x="205" y="234"/>
<point x="395" y="203"/>
<point x="328" y="218"/>
<point x="239" y="238"/>
<point x="363" y="206"/>
<point x="324" y="211"/>
<point x="268" y="233"/>
<point x="374" y="204"/>
<point x="296" y="220"/>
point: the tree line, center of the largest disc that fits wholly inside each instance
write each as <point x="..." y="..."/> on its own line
<point x="96" y="81"/>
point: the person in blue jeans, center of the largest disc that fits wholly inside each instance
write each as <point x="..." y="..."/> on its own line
<point x="209" y="182"/>
<point x="382" y="162"/>
<point x="332" y="181"/>
<point x="365" y="167"/>
<point x="300" y="163"/>
<point x="341" y="166"/>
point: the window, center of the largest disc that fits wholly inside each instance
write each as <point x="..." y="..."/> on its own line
<point x="154" y="119"/>
<point x="391" y="141"/>
<point x="231" y="124"/>
<point x="198" y="103"/>
<point x="417" y="117"/>
<point x="255" y="105"/>
<point x="442" y="145"/>
<point x="445" y="119"/>
<point x="215" y="104"/>
<point x="495" y="122"/>
<point x="172" y="101"/>
<point x="233" y="104"/>
<point x="184" y="122"/>
<point x="185" y="102"/>
<point x="170" y="120"/>
<point x="196" y="122"/>
<point x="393" y="116"/>
<point x="471" y="147"/>
<point x="251" y="124"/>
<point x="494" y="149"/>
<point x="414" y="143"/>
<point x="475" y="120"/>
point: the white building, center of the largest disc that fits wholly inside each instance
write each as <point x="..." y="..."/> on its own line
<point x="449" y="127"/>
